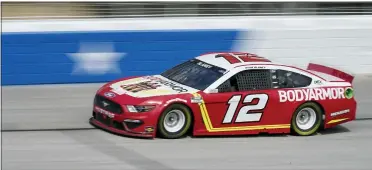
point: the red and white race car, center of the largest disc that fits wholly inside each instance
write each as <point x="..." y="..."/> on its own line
<point x="226" y="94"/>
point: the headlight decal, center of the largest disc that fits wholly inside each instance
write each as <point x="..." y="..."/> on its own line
<point x="139" y="108"/>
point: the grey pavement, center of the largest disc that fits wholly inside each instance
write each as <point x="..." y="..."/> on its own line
<point x="344" y="147"/>
<point x="47" y="106"/>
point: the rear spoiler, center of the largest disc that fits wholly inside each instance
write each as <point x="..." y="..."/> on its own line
<point x="331" y="71"/>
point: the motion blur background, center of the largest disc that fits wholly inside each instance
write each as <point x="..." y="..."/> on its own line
<point x="32" y="10"/>
<point x="56" y="55"/>
<point x="64" y="43"/>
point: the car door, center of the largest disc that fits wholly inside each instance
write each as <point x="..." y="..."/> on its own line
<point x="246" y="101"/>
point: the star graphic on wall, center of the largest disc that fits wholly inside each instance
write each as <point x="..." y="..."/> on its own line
<point x="96" y="58"/>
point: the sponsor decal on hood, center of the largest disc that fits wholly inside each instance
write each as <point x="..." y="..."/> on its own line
<point x="148" y="86"/>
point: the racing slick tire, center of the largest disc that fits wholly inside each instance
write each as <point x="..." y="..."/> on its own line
<point x="174" y="122"/>
<point x="307" y="119"/>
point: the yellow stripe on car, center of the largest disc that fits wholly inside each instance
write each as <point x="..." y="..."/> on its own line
<point x="210" y="128"/>
<point x="337" y="120"/>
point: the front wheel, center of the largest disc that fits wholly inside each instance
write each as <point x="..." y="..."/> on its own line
<point x="174" y="122"/>
<point x="307" y="119"/>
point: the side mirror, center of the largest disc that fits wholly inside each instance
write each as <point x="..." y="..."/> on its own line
<point x="212" y="91"/>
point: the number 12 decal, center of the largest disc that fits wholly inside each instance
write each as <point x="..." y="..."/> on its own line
<point x="243" y="115"/>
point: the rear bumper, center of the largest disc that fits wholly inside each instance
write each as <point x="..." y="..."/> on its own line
<point x="342" y="117"/>
<point x="125" y="131"/>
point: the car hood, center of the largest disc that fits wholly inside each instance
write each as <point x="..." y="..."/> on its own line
<point x="147" y="86"/>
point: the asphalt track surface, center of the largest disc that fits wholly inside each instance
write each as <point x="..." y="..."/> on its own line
<point x="344" y="147"/>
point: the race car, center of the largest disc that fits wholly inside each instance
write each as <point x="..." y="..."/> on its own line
<point x="226" y="93"/>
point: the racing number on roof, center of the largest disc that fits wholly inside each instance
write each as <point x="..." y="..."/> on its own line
<point x="233" y="58"/>
<point x="230" y="58"/>
<point x="255" y="110"/>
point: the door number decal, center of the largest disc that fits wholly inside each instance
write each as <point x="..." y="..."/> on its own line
<point x="243" y="115"/>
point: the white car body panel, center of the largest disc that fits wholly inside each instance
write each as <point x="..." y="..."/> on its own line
<point x="319" y="79"/>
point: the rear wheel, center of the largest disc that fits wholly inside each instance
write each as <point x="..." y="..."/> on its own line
<point x="174" y="122"/>
<point x="306" y="120"/>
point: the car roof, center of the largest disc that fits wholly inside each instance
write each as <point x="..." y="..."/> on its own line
<point x="230" y="60"/>
<point x="246" y="59"/>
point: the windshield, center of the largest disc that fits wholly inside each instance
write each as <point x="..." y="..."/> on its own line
<point x="194" y="73"/>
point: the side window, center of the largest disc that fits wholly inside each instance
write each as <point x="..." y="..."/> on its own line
<point x="247" y="80"/>
<point x="288" y="79"/>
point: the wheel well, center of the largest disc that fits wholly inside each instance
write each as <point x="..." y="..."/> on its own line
<point x="191" y="129"/>
<point x="315" y="102"/>
<point x="323" y="114"/>
<point x="320" y="106"/>
<point x="192" y="117"/>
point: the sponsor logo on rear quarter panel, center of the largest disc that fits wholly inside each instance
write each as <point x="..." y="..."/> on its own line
<point x="340" y="112"/>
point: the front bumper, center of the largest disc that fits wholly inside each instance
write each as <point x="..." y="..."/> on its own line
<point x="118" y="131"/>
<point x="125" y="125"/>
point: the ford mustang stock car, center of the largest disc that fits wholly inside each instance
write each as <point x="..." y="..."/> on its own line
<point x="220" y="93"/>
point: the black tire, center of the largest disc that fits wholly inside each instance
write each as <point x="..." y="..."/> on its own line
<point x="308" y="107"/>
<point x="162" y="130"/>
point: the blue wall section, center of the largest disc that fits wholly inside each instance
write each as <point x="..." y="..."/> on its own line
<point x="45" y="58"/>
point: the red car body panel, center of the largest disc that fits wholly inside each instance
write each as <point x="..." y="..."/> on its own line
<point x="276" y="117"/>
<point x="209" y="114"/>
<point x="149" y="119"/>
